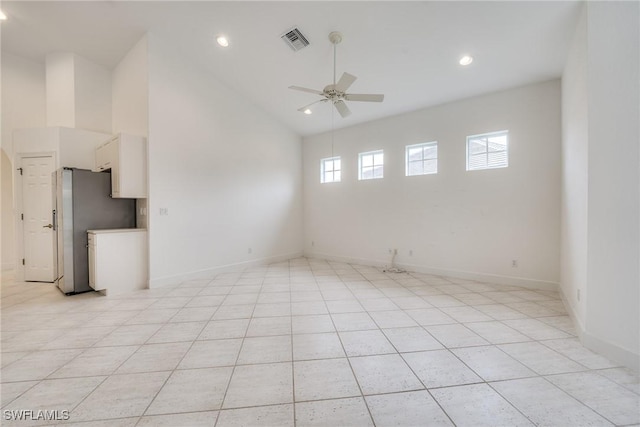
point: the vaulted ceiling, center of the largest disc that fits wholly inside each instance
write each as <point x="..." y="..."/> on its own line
<point x="407" y="50"/>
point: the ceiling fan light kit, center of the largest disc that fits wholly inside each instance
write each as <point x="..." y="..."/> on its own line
<point x="337" y="92"/>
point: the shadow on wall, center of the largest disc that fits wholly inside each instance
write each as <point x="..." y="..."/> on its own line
<point x="7" y="231"/>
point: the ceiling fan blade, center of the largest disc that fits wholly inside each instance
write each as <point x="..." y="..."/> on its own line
<point x="313" y="103"/>
<point x="345" y="81"/>
<point x="369" y="97"/>
<point x="305" y="89"/>
<point x="342" y="108"/>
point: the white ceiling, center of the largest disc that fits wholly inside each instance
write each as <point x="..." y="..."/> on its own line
<point x="407" y="50"/>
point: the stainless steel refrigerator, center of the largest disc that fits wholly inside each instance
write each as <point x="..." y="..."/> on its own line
<point x="83" y="202"/>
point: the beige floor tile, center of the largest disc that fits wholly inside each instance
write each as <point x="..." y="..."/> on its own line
<point x="96" y="361"/>
<point x="155" y="357"/>
<point x="384" y="374"/>
<point x="492" y="364"/>
<point x="194" y="419"/>
<point x="274" y="415"/>
<point x="192" y="390"/>
<point x="267" y="326"/>
<point x="256" y="385"/>
<point x="317" y="346"/>
<point x="265" y="350"/>
<point x="312" y="324"/>
<point x="209" y="354"/>
<point x="440" y="368"/>
<point x="221" y="329"/>
<point x="324" y="379"/>
<point x="177" y="332"/>
<point x="120" y="396"/>
<point x="365" y="343"/>
<point x="478" y="405"/>
<point x="350" y="412"/>
<point x="413" y="408"/>
<point x="353" y="322"/>
<point x="411" y="339"/>
<point x="38" y="365"/>
<point x="545" y="404"/>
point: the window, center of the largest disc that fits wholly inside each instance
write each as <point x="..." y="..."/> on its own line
<point x="370" y="165"/>
<point x="487" y="151"/>
<point x="421" y="159"/>
<point x="330" y="170"/>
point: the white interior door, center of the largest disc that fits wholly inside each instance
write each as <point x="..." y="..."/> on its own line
<point x="37" y="206"/>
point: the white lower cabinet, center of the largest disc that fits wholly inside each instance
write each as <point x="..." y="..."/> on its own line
<point x="118" y="261"/>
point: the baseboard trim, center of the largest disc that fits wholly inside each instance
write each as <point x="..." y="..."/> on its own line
<point x="210" y="272"/>
<point x="604" y="348"/>
<point x="480" y="277"/>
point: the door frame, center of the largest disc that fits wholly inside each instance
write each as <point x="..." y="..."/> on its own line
<point x="18" y="203"/>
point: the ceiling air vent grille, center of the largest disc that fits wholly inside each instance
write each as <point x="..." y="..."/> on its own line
<point x="295" y="39"/>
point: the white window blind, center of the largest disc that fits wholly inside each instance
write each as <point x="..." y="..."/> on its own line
<point x="488" y="151"/>
<point x="330" y="170"/>
<point x="371" y="165"/>
<point x="421" y="159"/>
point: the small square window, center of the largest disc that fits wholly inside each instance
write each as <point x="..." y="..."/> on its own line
<point x="421" y="159"/>
<point x="371" y="165"/>
<point x="488" y="151"/>
<point x="330" y="170"/>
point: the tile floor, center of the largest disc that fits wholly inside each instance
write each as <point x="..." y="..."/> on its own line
<point x="307" y="343"/>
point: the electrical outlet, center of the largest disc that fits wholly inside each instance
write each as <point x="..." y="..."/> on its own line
<point x="313" y="243"/>
<point x="514" y="263"/>
<point x="164" y="211"/>
<point x="578" y="294"/>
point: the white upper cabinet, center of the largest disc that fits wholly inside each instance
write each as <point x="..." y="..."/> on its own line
<point x="126" y="156"/>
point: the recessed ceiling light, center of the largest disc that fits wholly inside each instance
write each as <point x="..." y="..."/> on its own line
<point x="3" y="17"/>
<point x="466" y="60"/>
<point x="307" y="111"/>
<point x="223" y="41"/>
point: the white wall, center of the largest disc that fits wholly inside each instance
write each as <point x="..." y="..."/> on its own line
<point x="60" y="86"/>
<point x="7" y="250"/>
<point x="78" y="93"/>
<point x="470" y="224"/>
<point x="92" y="95"/>
<point x="130" y="103"/>
<point x="130" y="92"/>
<point x="607" y="182"/>
<point x="23" y="97"/>
<point x="613" y="309"/>
<point x="575" y="156"/>
<point x="229" y="174"/>
<point x="23" y="106"/>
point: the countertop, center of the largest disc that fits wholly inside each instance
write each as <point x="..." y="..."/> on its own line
<point x="117" y="230"/>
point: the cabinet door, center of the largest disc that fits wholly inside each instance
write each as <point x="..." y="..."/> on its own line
<point x="92" y="261"/>
<point x="102" y="160"/>
<point x="114" y="161"/>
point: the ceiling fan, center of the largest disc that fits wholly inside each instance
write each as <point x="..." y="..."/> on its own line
<point x="336" y="92"/>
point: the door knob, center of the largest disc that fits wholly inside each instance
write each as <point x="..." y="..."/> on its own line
<point x="48" y="226"/>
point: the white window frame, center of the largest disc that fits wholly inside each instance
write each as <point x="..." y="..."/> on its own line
<point x="333" y="171"/>
<point x="487" y="136"/>
<point x="373" y="166"/>
<point x="422" y="145"/>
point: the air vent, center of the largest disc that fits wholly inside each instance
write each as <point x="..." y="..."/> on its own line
<point x="295" y="39"/>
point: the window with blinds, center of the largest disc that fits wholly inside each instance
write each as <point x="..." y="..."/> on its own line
<point x="371" y="165"/>
<point x="330" y="170"/>
<point x="488" y="151"/>
<point x="421" y="159"/>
